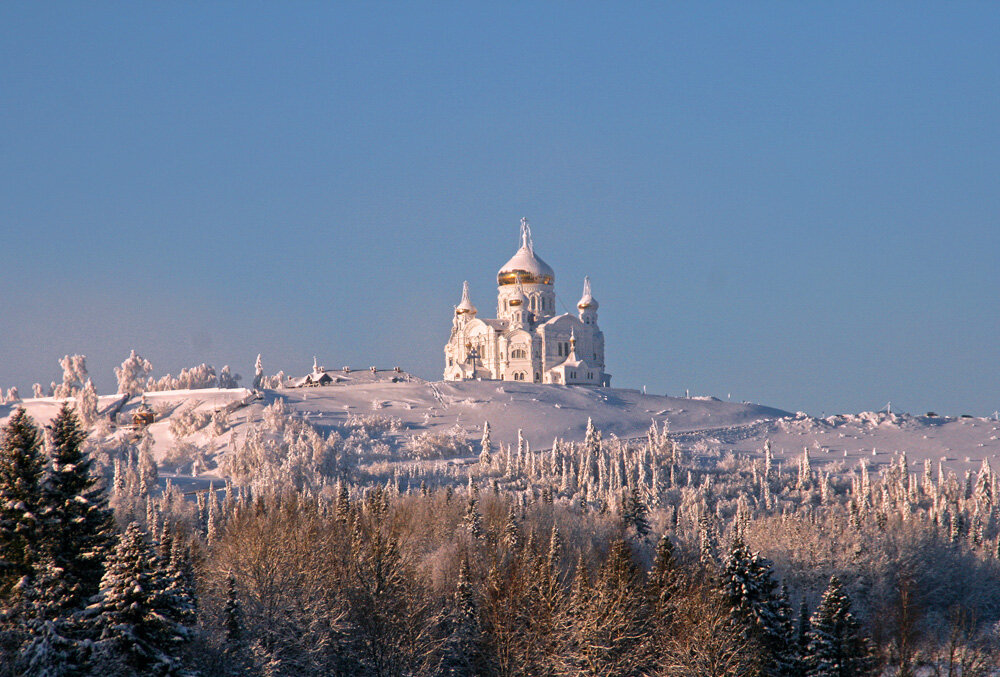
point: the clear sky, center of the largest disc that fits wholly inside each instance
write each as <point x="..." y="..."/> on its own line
<point x="796" y="204"/>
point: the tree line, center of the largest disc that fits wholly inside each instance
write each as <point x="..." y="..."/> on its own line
<point x="562" y="563"/>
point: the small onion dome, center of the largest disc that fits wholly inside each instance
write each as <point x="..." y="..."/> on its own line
<point x="465" y="307"/>
<point x="587" y="301"/>
<point x="526" y="266"/>
<point x="517" y="298"/>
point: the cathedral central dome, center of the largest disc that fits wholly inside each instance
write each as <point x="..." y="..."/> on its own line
<point x="525" y="266"/>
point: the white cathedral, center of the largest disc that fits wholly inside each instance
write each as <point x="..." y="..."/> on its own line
<point x="527" y="341"/>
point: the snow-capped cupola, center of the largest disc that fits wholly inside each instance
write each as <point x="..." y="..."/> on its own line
<point x="587" y="305"/>
<point x="526" y="266"/>
<point x="519" y="310"/>
<point x="587" y="300"/>
<point x="465" y="307"/>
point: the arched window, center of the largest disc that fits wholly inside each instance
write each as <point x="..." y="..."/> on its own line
<point x="518" y="353"/>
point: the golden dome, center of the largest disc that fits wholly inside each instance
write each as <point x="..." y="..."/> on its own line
<point x="525" y="266"/>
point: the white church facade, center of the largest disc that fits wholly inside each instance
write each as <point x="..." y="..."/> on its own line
<point x="527" y="341"/>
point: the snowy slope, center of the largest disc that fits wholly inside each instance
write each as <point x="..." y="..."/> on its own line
<point x="544" y="412"/>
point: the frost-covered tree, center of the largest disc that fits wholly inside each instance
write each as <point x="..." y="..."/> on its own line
<point x="836" y="646"/>
<point x="258" y="373"/>
<point x="177" y="570"/>
<point x="43" y="635"/>
<point x="87" y="403"/>
<point x="146" y="464"/>
<point x="511" y="532"/>
<point x="227" y="379"/>
<point x="190" y="378"/>
<point x="984" y="485"/>
<point x="132" y="374"/>
<point x="13" y="396"/>
<point x="74" y="375"/>
<point x="473" y="518"/>
<point x="486" y="447"/>
<point x="77" y="522"/>
<point x="36" y="391"/>
<point x="21" y="466"/>
<point x="135" y="616"/>
<point x="592" y="438"/>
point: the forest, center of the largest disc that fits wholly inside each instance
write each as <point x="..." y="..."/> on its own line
<point x="315" y="556"/>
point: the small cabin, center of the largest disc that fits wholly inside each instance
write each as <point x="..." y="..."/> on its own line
<point x="319" y="377"/>
<point x="143" y="417"/>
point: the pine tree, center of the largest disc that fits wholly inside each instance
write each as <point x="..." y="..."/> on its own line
<point x="805" y="470"/>
<point x="177" y="572"/>
<point x="634" y="512"/>
<point x="234" y="643"/>
<point x="707" y="541"/>
<point x="21" y="468"/>
<point x="511" y="534"/>
<point x="462" y="650"/>
<point x="473" y="520"/>
<point x="803" y="630"/>
<point x="836" y="646"/>
<point x="214" y="512"/>
<point x="610" y="632"/>
<point x="343" y="502"/>
<point x="664" y="576"/>
<point x="77" y="522"/>
<point x="592" y="438"/>
<point x="232" y="614"/>
<point x="135" y="616"/>
<point x="486" y="447"/>
<point x="37" y="627"/>
<point x="748" y="585"/>
<point x="148" y="472"/>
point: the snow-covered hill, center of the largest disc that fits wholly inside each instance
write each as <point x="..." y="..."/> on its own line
<point x="702" y="425"/>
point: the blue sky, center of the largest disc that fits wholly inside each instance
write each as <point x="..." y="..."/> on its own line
<point x="787" y="203"/>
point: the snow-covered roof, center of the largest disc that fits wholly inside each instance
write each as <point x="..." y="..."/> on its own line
<point x="561" y="318"/>
<point x="497" y="325"/>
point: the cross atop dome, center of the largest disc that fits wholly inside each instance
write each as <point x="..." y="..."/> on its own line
<point x="526" y="235"/>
